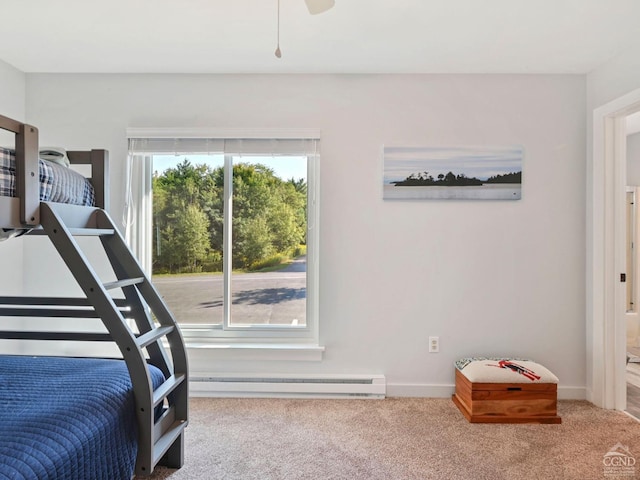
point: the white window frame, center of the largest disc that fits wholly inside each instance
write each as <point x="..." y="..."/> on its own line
<point x="137" y="220"/>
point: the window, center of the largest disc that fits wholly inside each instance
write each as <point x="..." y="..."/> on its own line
<point x="228" y="229"/>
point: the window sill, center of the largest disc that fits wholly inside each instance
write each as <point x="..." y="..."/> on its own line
<point x="257" y="351"/>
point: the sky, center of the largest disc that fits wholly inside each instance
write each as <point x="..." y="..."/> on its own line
<point x="285" y="167"/>
<point x="479" y="162"/>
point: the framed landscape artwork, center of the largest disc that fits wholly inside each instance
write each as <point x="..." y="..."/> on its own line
<point x="459" y="172"/>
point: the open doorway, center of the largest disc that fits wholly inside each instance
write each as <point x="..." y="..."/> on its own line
<point x="606" y="288"/>
<point x="632" y="315"/>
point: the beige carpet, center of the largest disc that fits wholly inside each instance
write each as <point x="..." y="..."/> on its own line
<point x="392" y="439"/>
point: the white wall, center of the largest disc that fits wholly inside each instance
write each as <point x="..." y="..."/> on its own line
<point x="489" y="278"/>
<point x="613" y="79"/>
<point x="12" y="93"/>
<point x="12" y="105"/>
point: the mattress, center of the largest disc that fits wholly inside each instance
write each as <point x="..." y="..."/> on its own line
<point x="57" y="182"/>
<point x="67" y="418"/>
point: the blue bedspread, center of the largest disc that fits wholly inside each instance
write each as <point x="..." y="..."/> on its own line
<point x="67" y="418"/>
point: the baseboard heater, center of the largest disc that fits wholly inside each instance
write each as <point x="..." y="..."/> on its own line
<point x="329" y="386"/>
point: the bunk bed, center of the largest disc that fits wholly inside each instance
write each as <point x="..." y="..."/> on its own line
<point x="81" y="418"/>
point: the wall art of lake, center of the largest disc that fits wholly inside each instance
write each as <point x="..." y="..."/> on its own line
<point x="462" y="172"/>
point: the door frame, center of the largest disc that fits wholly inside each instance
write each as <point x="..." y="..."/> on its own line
<point x="606" y="227"/>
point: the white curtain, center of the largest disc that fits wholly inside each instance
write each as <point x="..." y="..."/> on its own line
<point x="137" y="213"/>
<point x="228" y="146"/>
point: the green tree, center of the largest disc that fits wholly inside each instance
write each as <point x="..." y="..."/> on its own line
<point x="192" y="237"/>
<point x="173" y="191"/>
<point x="269" y="216"/>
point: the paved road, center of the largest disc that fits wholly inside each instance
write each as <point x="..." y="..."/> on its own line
<point x="277" y="298"/>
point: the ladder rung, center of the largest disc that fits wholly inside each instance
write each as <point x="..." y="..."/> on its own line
<point x="91" y="232"/>
<point x="167" y="439"/>
<point x="21" y="311"/>
<point x="56" y="301"/>
<point x="58" y="336"/>
<point x="153" y="335"/>
<point x="169" y="385"/>
<point x="123" y="283"/>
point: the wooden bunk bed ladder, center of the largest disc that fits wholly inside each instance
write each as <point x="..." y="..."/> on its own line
<point x="162" y="414"/>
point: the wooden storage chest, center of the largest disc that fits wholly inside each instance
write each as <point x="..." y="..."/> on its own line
<point x="524" y="400"/>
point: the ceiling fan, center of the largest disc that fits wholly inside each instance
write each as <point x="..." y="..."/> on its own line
<point x="319" y="6"/>
<point x="314" y="6"/>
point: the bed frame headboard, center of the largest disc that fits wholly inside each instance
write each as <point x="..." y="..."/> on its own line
<point x="27" y="177"/>
<point x="99" y="161"/>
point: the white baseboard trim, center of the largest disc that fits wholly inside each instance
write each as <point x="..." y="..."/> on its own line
<point x="445" y="391"/>
<point x="297" y="386"/>
<point x="335" y="386"/>
<point x="572" y="393"/>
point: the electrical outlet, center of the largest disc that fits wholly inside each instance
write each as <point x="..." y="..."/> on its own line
<point x="434" y="344"/>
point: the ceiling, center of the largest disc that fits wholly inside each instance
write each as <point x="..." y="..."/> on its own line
<point x="356" y="36"/>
